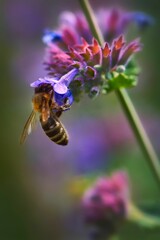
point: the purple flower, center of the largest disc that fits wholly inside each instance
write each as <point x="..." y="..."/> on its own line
<point x="90" y="56"/>
<point x="84" y="64"/>
<point x="61" y="99"/>
<point x="50" y="37"/>
<point x="115" y="21"/>
<point x="127" y="52"/>
<point x="105" y="204"/>
<point x="141" y="19"/>
<point x="112" y="22"/>
<point x="60" y="86"/>
<point x="76" y="62"/>
<point x="73" y="27"/>
<point x="57" y="61"/>
<point x="41" y="81"/>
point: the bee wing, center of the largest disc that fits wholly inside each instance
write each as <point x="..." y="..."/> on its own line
<point x="28" y="127"/>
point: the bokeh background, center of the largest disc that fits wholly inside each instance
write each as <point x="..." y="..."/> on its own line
<point x="35" y="197"/>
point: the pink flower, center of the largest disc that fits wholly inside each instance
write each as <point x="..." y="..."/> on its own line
<point x="105" y="203"/>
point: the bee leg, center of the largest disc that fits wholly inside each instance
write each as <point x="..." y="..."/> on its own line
<point x="58" y="113"/>
<point x="62" y="109"/>
<point x="65" y="107"/>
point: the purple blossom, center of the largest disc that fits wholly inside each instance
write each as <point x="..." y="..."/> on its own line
<point x="84" y="63"/>
<point x="116" y="21"/>
<point x="57" y="61"/>
<point x="76" y="62"/>
<point x="127" y="52"/>
<point x="50" y="37"/>
<point x="141" y="19"/>
<point x="112" y="22"/>
<point x="61" y="98"/>
<point x="90" y="56"/>
<point x="60" y="86"/>
<point x="105" y="204"/>
<point x="41" y="81"/>
<point x="73" y="27"/>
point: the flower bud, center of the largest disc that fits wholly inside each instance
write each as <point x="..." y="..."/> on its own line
<point x="105" y="203"/>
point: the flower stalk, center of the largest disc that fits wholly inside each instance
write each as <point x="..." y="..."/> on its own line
<point x="126" y="102"/>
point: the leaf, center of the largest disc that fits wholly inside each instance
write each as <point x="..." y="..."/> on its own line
<point x="141" y="218"/>
<point x="119" y="80"/>
<point x="132" y="68"/>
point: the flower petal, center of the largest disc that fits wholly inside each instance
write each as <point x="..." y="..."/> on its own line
<point x="60" y="88"/>
<point x="142" y="19"/>
<point x="67" y="78"/>
<point x="51" y="37"/>
<point x="36" y="83"/>
<point x="44" y="80"/>
<point x="62" y="99"/>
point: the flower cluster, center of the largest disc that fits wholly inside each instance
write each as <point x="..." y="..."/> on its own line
<point x="105" y="204"/>
<point x="115" y="21"/>
<point x="112" y="23"/>
<point x="76" y="62"/>
<point x="82" y="67"/>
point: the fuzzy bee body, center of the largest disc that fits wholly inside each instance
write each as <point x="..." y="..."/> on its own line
<point x="54" y="129"/>
<point x="49" y="113"/>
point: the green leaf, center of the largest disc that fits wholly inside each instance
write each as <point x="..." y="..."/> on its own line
<point x="141" y="218"/>
<point x="132" y="68"/>
<point x="119" y="80"/>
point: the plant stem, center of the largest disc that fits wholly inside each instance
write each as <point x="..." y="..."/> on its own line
<point x="139" y="132"/>
<point x="88" y="11"/>
<point x="126" y="102"/>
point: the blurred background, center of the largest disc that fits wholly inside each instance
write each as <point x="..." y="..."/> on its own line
<point x="35" y="197"/>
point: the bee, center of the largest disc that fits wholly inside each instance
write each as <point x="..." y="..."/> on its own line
<point x="49" y="113"/>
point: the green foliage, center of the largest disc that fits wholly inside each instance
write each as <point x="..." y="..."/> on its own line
<point x="142" y="219"/>
<point x="132" y="68"/>
<point x="121" y="78"/>
<point x="117" y="80"/>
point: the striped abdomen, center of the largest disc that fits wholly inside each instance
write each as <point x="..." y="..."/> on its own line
<point x="55" y="130"/>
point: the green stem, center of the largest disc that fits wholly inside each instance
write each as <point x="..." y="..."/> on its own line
<point x="139" y="132"/>
<point x="126" y="102"/>
<point x="88" y="11"/>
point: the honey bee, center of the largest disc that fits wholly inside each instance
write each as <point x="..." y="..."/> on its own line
<point x="49" y="113"/>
